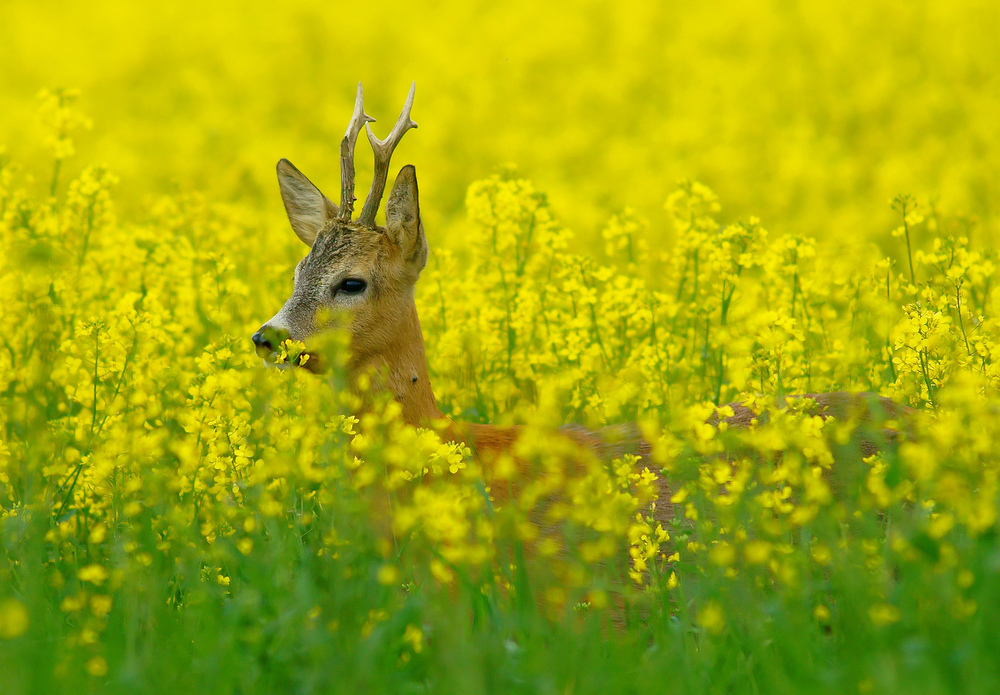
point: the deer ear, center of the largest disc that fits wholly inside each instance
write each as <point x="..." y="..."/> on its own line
<point x="402" y="218"/>
<point x="308" y="209"/>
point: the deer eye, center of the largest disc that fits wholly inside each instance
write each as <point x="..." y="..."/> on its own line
<point x="352" y="286"/>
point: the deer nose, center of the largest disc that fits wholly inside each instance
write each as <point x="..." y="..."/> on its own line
<point x="261" y="343"/>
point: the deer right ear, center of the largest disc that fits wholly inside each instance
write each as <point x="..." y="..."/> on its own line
<point x="308" y="209"/>
<point x="402" y="218"/>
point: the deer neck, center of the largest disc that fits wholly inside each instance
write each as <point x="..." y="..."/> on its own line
<point x="402" y="369"/>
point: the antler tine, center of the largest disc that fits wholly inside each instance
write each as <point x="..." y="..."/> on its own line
<point x="383" y="153"/>
<point x="358" y="120"/>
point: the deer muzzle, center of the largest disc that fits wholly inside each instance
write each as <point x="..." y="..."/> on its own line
<point x="268" y="344"/>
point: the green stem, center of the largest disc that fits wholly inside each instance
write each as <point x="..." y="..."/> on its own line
<point x="961" y="323"/>
<point x="927" y="378"/>
<point x="55" y="177"/>
<point x="909" y="253"/>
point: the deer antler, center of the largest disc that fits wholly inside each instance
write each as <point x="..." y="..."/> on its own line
<point x="383" y="152"/>
<point x="358" y="120"/>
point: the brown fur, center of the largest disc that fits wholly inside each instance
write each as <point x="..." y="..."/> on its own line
<point x="386" y="338"/>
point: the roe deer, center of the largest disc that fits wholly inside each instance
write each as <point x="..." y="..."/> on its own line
<point x="370" y="271"/>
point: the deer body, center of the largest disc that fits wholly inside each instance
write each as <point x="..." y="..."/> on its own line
<point x="370" y="272"/>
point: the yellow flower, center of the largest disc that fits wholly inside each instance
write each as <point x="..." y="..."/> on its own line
<point x="711" y="617"/>
<point x="757" y="552"/>
<point x="98" y="534"/>
<point x="821" y="554"/>
<point x="883" y="614"/>
<point x="722" y="554"/>
<point x="940" y="525"/>
<point x="100" y="605"/>
<point x="388" y="575"/>
<point x="414" y="636"/>
<point x="13" y="618"/>
<point x="95" y="574"/>
<point x="97" y="666"/>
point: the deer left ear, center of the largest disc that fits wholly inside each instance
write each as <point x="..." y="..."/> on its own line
<point x="402" y="218"/>
<point x="308" y="209"/>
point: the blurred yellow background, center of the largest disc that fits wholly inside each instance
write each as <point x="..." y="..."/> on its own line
<point x="809" y="114"/>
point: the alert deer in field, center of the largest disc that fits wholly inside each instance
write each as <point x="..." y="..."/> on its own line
<point x="370" y="272"/>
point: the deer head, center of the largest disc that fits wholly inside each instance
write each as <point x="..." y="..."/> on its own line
<point x="356" y="268"/>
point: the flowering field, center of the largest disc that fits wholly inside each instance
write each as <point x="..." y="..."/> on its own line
<point x="710" y="205"/>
